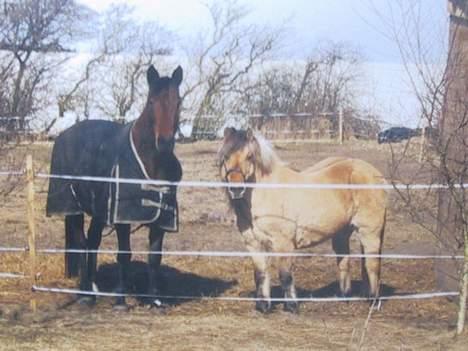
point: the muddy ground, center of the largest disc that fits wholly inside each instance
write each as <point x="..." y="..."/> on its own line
<point x="196" y="324"/>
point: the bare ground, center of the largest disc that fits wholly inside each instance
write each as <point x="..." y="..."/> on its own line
<point x="206" y="224"/>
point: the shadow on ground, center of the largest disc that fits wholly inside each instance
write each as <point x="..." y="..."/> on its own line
<point x="330" y="290"/>
<point x="173" y="282"/>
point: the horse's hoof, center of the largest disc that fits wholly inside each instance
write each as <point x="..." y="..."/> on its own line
<point x="88" y="301"/>
<point x="153" y="303"/>
<point x="151" y="300"/>
<point x="344" y="295"/>
<point x="120" y="307"/>
<point x="291" y="306"/>
<point x="158" y="310"/>
<point x="263" y="306"/>
<point x="157" y="303"/>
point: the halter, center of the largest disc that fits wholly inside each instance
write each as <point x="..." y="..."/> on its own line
<point x="244" y="180"/>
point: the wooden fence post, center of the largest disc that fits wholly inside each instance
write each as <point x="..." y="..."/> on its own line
<point x="31" y="226"/>
<point x="340" y="126"/>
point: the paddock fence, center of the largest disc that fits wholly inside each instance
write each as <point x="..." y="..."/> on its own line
<point x="302" y="126"/>
<point x="32" y="251"/>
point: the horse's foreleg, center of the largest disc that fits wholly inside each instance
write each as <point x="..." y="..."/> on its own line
<point x="94" y="240"/>
<point x="123" y="260"/>
<point x="287" y="284"/>
<point x="262" y="283"/>
<point x="340" y="243"/>
<point x="261" y="275"/>
<point x="156" y="236"/>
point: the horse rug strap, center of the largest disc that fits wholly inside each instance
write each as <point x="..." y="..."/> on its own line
<point x="139" y="203"/>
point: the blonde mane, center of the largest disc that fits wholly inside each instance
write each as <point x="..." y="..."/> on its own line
<point x="265" y="156"/>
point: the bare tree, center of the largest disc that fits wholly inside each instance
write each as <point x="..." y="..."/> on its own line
<point x="35" y="39"/>
<point x="129" y="49"/>
<point x="324" y="82"/>
<point x="442" y="94"/>
<point x="109" y="82"/>
<point x="29" y="32"/>
<point x="222" y="60"/>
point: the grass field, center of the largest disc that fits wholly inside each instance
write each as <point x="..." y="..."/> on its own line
<point x="207" y="224"/>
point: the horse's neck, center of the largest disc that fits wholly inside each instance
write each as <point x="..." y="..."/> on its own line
<point x="145" y="144"/>
<point x="278" y="171"/>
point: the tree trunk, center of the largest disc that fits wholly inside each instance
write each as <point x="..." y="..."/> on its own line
<point x="463" y="289"/>
<point x="451" y="150"/>
<point x="15" y="106"/>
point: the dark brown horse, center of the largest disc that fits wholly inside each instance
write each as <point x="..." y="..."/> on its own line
<point x="285" y="219"/>
<point x="142" y="149"/>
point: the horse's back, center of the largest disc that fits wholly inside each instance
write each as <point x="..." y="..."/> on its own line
<point x="343" y="170"/>
<point x="327" y="162"/>
<point x="369" y="205"/>
<point x="76" y="152"/>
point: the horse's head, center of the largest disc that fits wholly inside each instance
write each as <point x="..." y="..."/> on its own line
<point x="237" y="159"/>
<point x="163" y="107"/>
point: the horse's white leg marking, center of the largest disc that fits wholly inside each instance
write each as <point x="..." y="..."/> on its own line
<point x="371" y="244"/>
<point x="261" y="274"/>
<point x="287" y="283"/>
<point x="344" y="276"/>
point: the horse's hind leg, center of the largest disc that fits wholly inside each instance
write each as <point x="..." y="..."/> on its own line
<point x="340" y="243"/>
<point x="94" y="240"/>
<point x="371" y="244"/>
<point x="156" y="237"/>
<point x="74" y="239"/>
<point x="123" y="260"/>
<point x="287" y="284"/>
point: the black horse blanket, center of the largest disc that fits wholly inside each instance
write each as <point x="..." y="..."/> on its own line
<point x="105" y="149"/>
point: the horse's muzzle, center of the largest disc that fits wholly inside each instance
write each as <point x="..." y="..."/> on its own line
<point x="236" y="193"/>
<point x="165" y="144"/>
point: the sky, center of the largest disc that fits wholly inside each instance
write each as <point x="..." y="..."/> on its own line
<point x="362" y="23"/>
<point x="370" y="26"/>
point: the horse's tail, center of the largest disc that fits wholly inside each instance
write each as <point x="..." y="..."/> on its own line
<point x="73" y="228"/>
<point x="382" y="232"/>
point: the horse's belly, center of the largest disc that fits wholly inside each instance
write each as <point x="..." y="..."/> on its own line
<point x="274" y="229"/>
<point x="277" y="231"/>
<point x="307" y="237"/>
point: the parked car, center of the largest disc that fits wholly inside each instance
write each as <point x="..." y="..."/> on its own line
<point x="395" y="134"/>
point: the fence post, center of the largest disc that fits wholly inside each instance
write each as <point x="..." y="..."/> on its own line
<point x="31" y="226"/>
<point x="340" y="126"/>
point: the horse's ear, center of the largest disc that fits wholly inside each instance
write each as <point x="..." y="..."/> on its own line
<point x="152" y="75"/>
<point x="177" y="75"/>
<point x="228" y="131"/>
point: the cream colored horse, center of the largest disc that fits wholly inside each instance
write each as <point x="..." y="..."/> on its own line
<point x="284" y="219"/>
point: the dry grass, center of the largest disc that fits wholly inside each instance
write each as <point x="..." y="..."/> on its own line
<point x="206" y="224"/>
